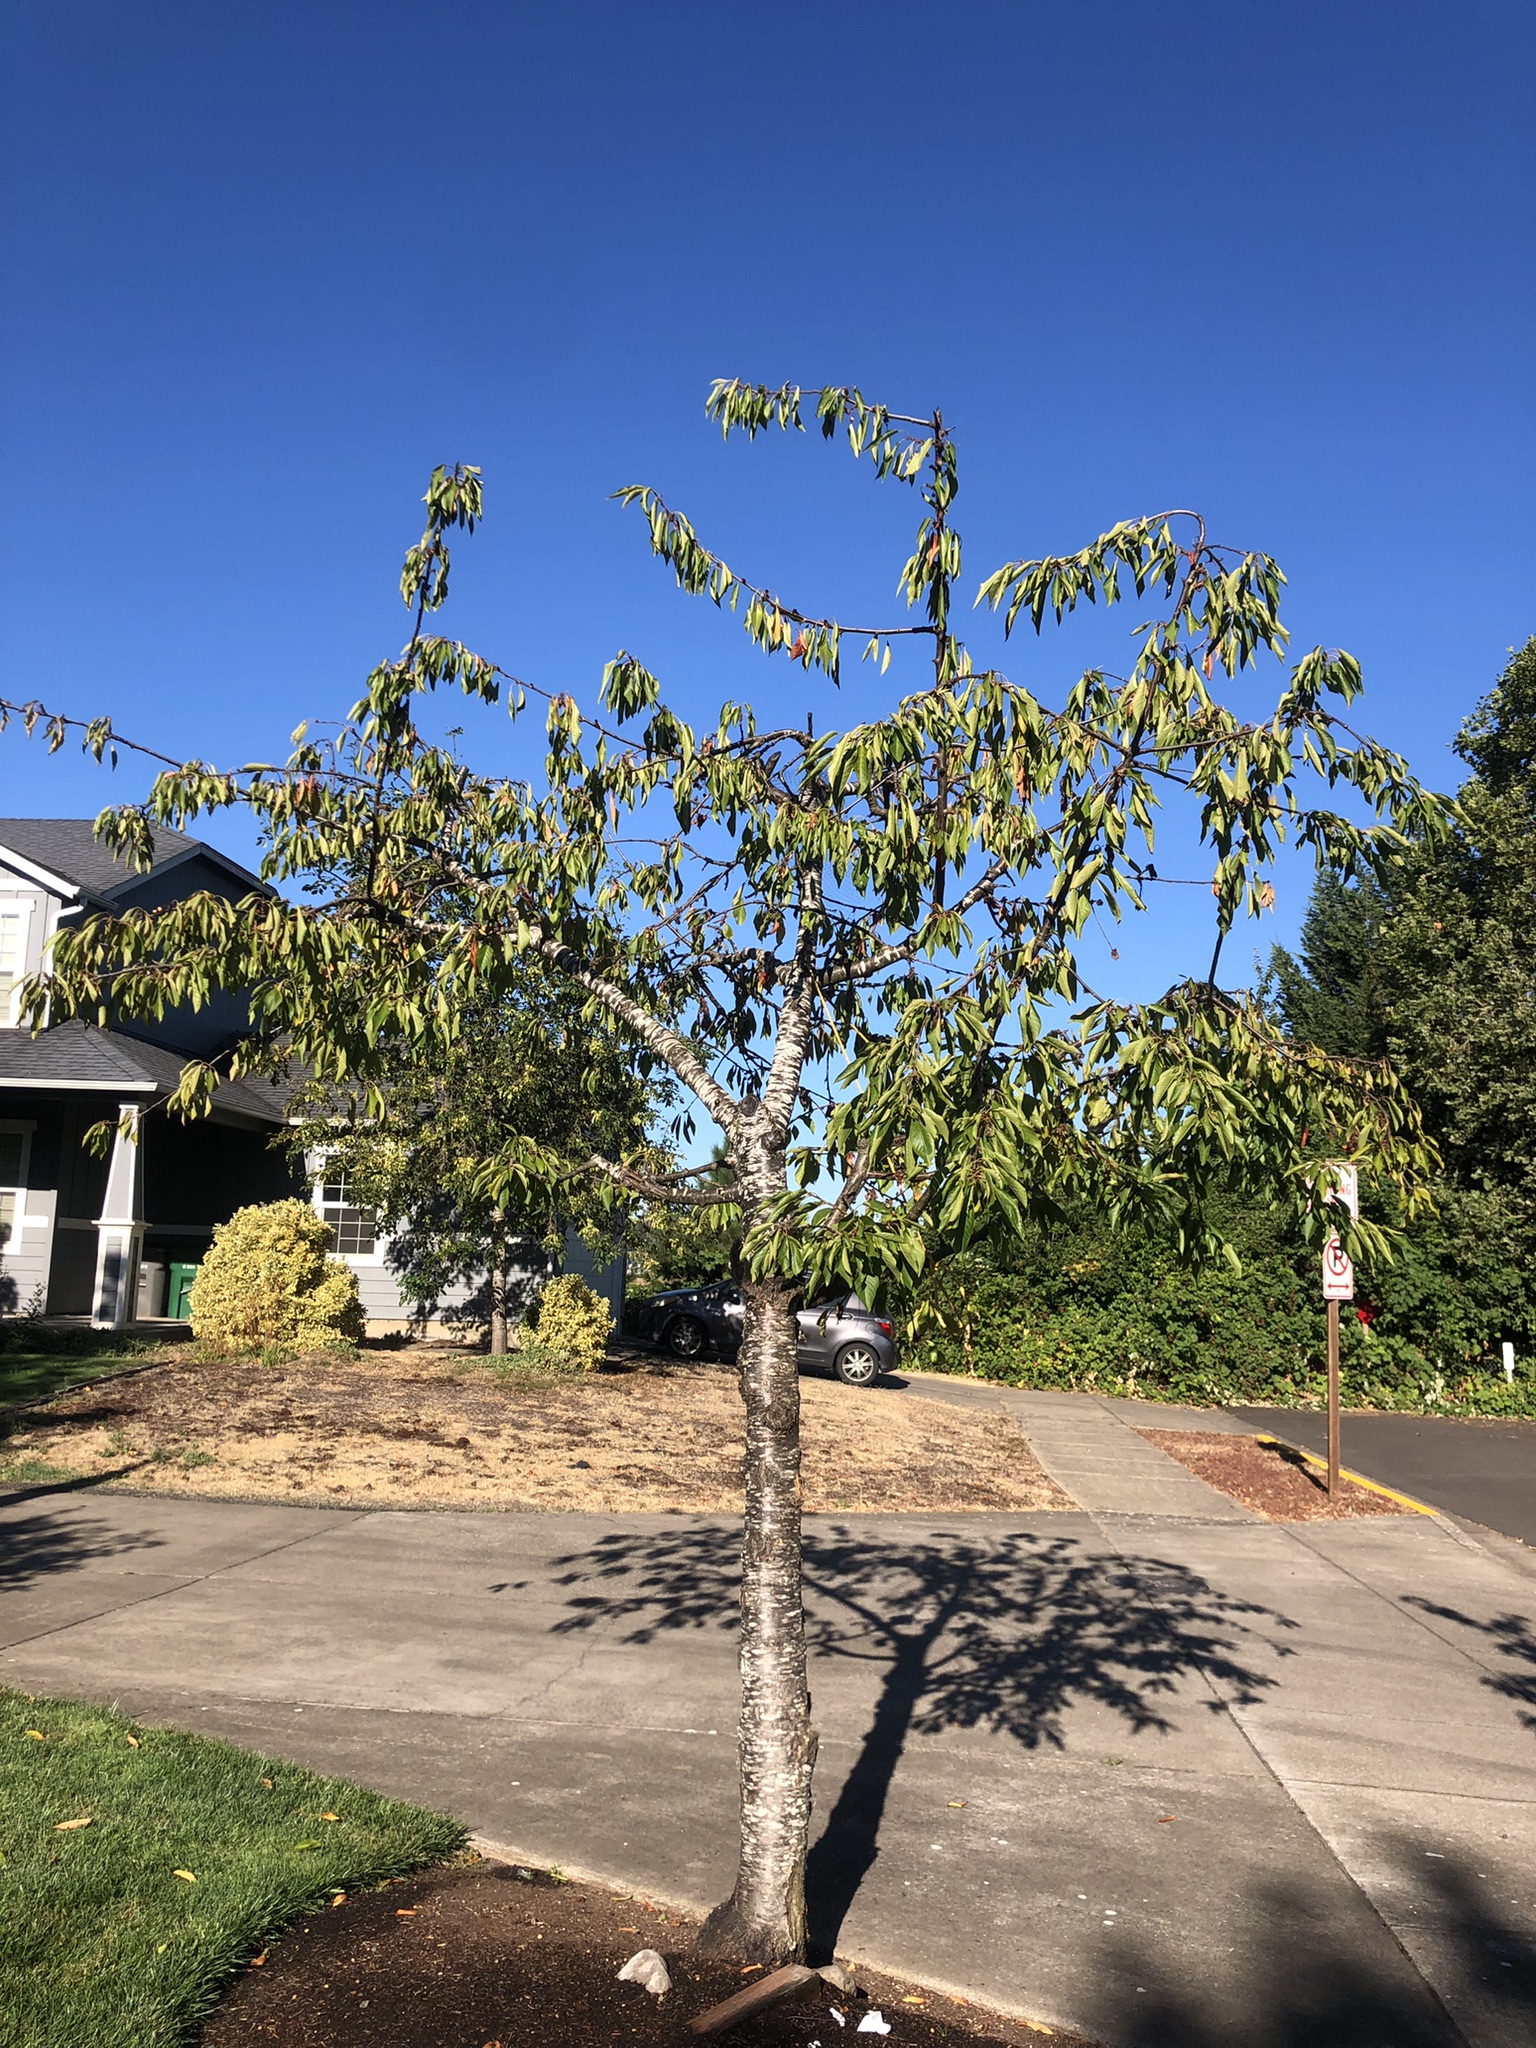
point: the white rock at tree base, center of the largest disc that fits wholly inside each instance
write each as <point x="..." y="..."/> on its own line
<point x="873" y="2023"/>
<point x="647" y="1969"/>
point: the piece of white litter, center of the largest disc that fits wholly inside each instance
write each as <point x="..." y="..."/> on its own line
<point x="647" y="1969"/>
<point x="1436" y="1854"/>
<point x="837" y="2015"/>
<point x="873" y="2023"/>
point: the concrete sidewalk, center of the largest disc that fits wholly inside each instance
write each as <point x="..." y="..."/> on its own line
<point x="1223" y="1782"/>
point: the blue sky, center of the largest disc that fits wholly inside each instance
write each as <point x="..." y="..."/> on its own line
<point x="265" y="266"/>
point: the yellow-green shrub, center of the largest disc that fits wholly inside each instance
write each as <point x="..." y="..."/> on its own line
<point x="269" y="1279"/>
<point x="573" y="1320"/>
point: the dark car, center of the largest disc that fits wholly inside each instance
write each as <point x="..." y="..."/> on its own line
<point x="840" y="1335"/>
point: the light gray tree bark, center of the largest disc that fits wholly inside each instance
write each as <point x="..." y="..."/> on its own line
<point x="764" y="1918"/>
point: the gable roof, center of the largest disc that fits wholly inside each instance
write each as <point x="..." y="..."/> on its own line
<point x="69" y="849"/>
<point x="78" y="1056"/>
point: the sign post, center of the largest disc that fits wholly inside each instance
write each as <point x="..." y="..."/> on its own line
<point x="1338" y="1285"/>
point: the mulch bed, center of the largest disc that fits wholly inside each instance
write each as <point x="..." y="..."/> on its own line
<point x="1270" y="1478"/>
<point x="490" y="1955"/>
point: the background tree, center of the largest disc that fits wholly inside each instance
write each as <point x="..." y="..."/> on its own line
<point x="1437" y="970"/>
<point x="431" y="1143"/>
<point x="1458" y="957"/>
<point x="857" y="951"/>
<point x="1331" y="995"/>
<point x="680" y="1247"/>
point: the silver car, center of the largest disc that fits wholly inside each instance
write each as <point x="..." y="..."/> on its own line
<point x="839" y="1335"/>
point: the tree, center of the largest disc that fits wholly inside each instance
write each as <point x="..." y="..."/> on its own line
<point x="1437" y="970"/>
<point x="1331" y="997"/>
<point x="1458" y="959"/>
<point x="424" y="1146"/>
<point x="857" y="951"/>
<point x="679" y="1247"/>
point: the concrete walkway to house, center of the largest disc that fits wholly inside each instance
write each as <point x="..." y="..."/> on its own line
<point x="1154" y="1769"/>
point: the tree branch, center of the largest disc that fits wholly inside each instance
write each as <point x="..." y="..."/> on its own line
<point x="858" y="1174"/>
<point x="896" y="956"/>
<point x="657" y="1190"/>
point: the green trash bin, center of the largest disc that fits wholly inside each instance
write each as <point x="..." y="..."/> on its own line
<point x="178" y="1294"/>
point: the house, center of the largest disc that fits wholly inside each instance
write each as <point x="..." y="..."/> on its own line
<point x="115" y="1235"/>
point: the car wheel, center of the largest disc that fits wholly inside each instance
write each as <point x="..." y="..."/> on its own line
<point x="857" y="1365"/>
<point x="687" y="1337"/>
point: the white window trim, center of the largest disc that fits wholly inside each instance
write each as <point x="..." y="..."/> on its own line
<point x="20" y="908"/>
<point x="318" y="1204"/>
<point x="18" y="1187"/>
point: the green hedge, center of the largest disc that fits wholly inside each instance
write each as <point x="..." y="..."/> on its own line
<point x="1079" y="1308"/>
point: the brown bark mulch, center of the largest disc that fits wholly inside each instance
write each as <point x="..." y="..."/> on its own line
<point x="426" y="1427"/>
<point x="1272" y="1479"/>
<point x="489" y="1955"/>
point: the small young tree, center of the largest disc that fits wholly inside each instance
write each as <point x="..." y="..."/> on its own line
<point x="857" y="951"/>
<point x="424" y="1142"/>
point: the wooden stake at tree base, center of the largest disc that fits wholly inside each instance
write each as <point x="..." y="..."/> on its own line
<point x="752" y="1998"/>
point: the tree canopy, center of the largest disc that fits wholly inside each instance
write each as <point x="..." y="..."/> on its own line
<point x="423" y="1145"/>
<point x="858" y="951"/>
<point x="869" y="939"/>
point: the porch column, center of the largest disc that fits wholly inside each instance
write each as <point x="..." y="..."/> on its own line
<point x="120" y="1227"/>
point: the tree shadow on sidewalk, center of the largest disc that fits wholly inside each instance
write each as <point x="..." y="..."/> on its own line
<point x="1306" y="1984"/>
<point x="1003" y="1632"/>
<point x="1513" y="1637"/>
<point x="43" y="1545"/>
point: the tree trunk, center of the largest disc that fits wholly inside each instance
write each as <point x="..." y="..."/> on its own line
<point x="498" y="1288"/>
<point x="763" y="1921"/>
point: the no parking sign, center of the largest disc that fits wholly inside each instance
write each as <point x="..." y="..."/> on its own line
<point x="1338" y="1271"/>
<point x="1338" y="1266"/>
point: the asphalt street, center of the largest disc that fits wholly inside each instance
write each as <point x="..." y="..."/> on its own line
<point x="1483" y="1469"/>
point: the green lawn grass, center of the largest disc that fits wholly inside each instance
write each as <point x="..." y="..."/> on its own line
<point x="35" y="1363"/>
<point x="122" y="1933"/>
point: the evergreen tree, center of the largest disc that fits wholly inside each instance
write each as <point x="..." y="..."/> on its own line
<point x="1457" y="960"/>
<point x="1437" y="972"/>
<point x="1331" y="996"/>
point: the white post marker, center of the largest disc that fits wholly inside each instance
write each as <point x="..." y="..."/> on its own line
<point x="1508" y="1351"/>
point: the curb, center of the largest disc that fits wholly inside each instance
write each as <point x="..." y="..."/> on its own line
<point x="500" y="1852"/>
<point x="1405" y="1500"/>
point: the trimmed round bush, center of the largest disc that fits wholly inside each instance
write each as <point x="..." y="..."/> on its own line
<point x="573" y="1320"/>
<point x="269" y="1278"/>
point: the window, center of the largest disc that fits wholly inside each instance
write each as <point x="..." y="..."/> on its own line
<point x="354" y="1229"/>
<point x="13" y="955"/>
<point x="13" y="1162"/>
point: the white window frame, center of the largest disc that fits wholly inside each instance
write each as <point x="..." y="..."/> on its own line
<point x="17" y="1189"/>
<point x="19" y="908"/>
<point x="320" y="1172"/>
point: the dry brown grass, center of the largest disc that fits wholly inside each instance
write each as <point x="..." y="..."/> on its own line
<point x="423" y="1427"/>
